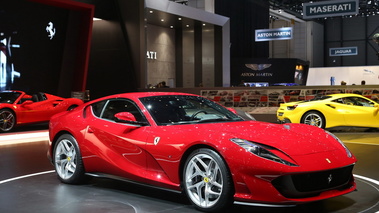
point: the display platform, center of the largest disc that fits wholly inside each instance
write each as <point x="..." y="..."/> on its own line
<point x="28" y="184"/>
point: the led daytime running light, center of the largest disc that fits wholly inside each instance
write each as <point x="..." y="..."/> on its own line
<point x="349" y="154"/>
<point x="260" y="150"/>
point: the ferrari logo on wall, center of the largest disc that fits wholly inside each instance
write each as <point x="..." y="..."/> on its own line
<point x="50" y="29"/>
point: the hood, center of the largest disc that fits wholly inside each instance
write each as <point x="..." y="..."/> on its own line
<point x="293" y="139"/>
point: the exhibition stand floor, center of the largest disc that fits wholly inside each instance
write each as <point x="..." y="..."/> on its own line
<point x="28" y="183"/>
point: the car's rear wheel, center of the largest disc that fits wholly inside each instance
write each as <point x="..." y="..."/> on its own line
<point x="7" y="120"/>
<point x="68" y="161"/>
<point x="314" y="118"/>
<point x="207" y="181"/>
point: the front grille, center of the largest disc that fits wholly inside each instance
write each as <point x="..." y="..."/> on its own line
<point x="312" y="184"/>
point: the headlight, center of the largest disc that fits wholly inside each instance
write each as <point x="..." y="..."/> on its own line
<point x="261" y="150"/>
<point x="349" y="154"/>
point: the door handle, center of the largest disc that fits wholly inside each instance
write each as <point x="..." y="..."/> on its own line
<point x="89" y="130"/>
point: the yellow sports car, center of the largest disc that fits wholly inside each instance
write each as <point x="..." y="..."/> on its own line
<point x="331" y="111"/>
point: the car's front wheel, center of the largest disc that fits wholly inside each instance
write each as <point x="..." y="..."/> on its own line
<point x="314" y="118"/>
<point x="207" y="181"/>
<point x="68" y="161"/>
<point x="7" y="120"/>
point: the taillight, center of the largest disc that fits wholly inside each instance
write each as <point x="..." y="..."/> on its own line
<point x="292" y="107"/>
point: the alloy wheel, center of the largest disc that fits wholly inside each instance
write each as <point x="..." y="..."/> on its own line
<point x="65" y="159"/>
<point x="204" y="180"/>
<point x="314" y="119"/>
<point x="7" y="120"/>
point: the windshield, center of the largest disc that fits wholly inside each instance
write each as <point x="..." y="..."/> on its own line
<point x="9" y="97"/>
<point x="182" y="109"/>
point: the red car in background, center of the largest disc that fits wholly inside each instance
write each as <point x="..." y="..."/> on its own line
<point x="18" y="108"/>
<point x="187" y="143"/>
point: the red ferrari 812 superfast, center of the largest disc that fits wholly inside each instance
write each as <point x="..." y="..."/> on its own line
<point x="187" y="143"/>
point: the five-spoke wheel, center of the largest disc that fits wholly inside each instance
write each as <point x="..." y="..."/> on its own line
<point x="207" y="181"/>
<point x="314" y="118"/>
<point x="67" y="160"/>
<point x="7" y="120"/>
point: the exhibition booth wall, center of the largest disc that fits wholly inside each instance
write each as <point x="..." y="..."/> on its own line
<point x="266" y="100"/>
<point x="351" y="75"/>
<point x="44" y="45"/>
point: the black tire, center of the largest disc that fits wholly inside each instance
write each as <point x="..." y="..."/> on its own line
<point x="205" y="168"/>
<point x="7" y="120"/>
<point x="67" y="160"/>
<point x="314" y="118"/>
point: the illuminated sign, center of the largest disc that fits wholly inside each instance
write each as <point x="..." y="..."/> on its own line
<point x="273" y="34"/>
<point x="50" y="29"/>
<point x="151" y="55"/>
<point x="330" y="8"/>
<point x="343" y="51"/>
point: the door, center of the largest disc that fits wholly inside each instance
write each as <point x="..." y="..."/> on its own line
<point x="360" y="112"/>
<point x="120" y="145"/>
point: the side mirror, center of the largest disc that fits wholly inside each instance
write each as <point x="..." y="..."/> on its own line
<point x="127" y="117"/>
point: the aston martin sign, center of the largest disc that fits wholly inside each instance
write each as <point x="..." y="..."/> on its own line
<point x="284" y="33"/>
<point x="324" y="9"/>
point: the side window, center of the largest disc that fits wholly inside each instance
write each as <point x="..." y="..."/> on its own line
<point x="348" y="101"/>
<point x="339" y="100"/>
<point x="115" y="106"/>
<point x="364" y="102"/>
<point x="357" y="101"/>
<point x="97" y="108"/>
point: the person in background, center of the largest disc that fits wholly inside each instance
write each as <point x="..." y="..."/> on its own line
<point x="162" y="85"/>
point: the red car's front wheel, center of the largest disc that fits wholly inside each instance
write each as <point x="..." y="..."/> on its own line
<point x="207" y="181"/>
<point x="68" y="161"/>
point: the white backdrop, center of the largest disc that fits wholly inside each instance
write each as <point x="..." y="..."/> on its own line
<point x="351" y="75"/>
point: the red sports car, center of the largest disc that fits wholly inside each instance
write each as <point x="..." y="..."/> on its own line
<point x="184" y="142"/>
<point x="18" y="108"/>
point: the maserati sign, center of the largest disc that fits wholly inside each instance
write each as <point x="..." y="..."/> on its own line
<point x="324" y="9"/>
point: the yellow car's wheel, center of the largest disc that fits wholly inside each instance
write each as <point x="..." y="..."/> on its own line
<point x="314" y="118"/>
